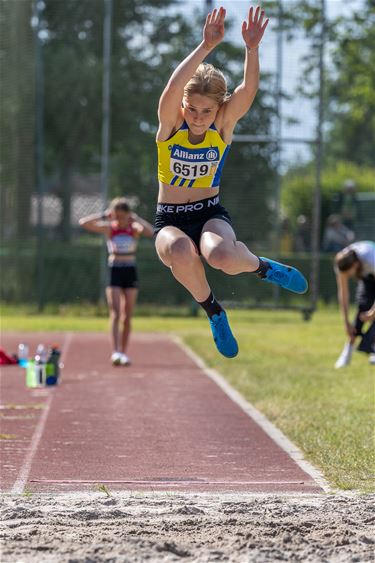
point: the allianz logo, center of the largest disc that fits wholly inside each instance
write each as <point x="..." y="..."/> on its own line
<point x="212" y="154"/>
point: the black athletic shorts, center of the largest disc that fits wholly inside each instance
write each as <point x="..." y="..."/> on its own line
<point x="190" y="217"/>
<point x="123" y="275"/>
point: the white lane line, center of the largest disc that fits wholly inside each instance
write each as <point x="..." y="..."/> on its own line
<point x="277" y="436"/>
<point x="24" y="472"/>
<point x="163" y="482"/>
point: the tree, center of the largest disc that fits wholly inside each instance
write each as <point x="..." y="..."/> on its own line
<point x="351" y="89"/>
<point x="349" y="111"/>
<point x="349" y="92"/>
<point x="17" y="124"/>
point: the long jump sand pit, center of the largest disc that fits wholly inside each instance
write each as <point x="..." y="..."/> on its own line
<point x="172" y="526"/>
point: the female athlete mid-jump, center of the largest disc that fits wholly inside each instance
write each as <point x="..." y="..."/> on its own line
<point x="197" y="117"/>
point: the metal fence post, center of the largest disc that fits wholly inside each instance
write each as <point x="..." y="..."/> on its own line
<point x="278" y="177"/>
<point x="316" y="222"/>
<point x="39" y="152"/>
<point x="106" y="108"/>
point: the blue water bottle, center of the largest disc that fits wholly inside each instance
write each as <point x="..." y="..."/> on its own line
<point x="23" y="355"/>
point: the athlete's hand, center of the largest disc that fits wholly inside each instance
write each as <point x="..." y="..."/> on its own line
<point x="367" y="316"/>
<point x="253" y="29"/>
<point x="213" y="31"/>
<point x="350" y="330"/>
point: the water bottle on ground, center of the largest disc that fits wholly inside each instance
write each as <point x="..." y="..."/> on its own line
<point x="23" y="355"/>
<point x="53" y="366"/>
<point x="40" y="365"/>
<point x="31" y="380"/>
<point x="41" y="353"/>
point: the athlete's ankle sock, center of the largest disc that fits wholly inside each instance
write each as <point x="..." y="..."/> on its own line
<point x="211" y="306"/>
<point x="262" y="268"/>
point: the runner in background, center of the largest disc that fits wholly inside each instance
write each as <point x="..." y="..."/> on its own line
<point x="197" y="117"/>
<point x="122" y="229"/>
<point x="357" y="261"/>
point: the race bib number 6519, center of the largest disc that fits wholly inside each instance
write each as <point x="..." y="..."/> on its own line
<point x="193" y="163"/>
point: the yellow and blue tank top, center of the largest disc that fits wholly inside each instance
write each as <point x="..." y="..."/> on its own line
<point x="180" y="163"/>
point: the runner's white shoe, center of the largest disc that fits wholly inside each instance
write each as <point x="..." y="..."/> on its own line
<point x="345" y="357"/>
<point x="124" y="361"/>
<point x="116" y="358"/>
<point x="371" y="359"/>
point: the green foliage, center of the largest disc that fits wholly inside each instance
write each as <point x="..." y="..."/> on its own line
<point x="351" y="91"/>
<point x="17" y="122"/>
<point x="349" y="94"/>
<point x="289" y="376"/>
<point x="299" y="185"/>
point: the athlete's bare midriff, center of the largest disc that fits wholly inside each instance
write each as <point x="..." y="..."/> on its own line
<point x="124" y="258"/>
<point x="173" y="194"/>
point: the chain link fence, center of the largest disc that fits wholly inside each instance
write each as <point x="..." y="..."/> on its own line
<point x="52" y="152"/>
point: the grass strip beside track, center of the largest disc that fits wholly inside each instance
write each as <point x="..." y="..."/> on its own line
<point x="285" y="369"/>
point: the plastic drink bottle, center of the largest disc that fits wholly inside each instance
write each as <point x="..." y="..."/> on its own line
<point x="53" y="367"/>
<point x="40" y="365"/>
<point x="23" y="355"/>
<point x="42" y="353"/>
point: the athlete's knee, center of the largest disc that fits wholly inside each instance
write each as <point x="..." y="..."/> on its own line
<point x="115" y="315"/>
<point x="177" y="251"/>
<point x="220" y="256"/>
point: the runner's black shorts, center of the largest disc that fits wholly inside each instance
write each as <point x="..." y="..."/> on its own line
<point x="124" y="276"/>
<point x="190" y="217"/>
<point x="365" y="298"/>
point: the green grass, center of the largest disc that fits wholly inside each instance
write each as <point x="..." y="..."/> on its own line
<point x="285" y="369"/>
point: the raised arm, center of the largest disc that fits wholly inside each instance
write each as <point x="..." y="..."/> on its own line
<point x="243" y="96"/>
<point x="170" y="101"/>
<point x="96" y="223"/>
<point x="142" y="226"/>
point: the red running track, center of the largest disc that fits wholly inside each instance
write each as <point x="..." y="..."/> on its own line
<point x="159" y="424"/>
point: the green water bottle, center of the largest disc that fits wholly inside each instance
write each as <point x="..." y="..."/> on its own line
<point x="31" y="374"/>
<point x="52" y="366"/>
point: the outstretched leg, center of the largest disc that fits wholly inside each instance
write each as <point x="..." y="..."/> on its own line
<point x="223" y="251"/>
<point x="178" y="252"/>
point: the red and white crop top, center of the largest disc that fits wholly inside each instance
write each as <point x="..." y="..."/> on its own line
<point x="122" y="240"/>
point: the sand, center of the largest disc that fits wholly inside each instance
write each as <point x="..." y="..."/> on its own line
<point x="135" y="527"/>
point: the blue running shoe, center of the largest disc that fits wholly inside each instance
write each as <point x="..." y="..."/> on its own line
<point x="285" y="276"/>
<point x="223" y="337"/>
